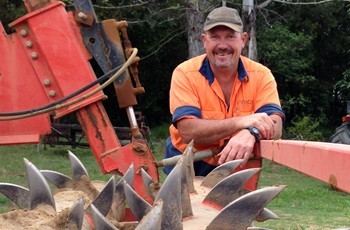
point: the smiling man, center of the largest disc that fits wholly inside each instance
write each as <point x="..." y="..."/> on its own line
<point x="222" y="100"/>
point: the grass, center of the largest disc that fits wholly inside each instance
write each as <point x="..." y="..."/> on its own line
<point x="305" y="204"/>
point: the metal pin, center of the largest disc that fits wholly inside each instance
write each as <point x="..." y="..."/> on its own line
<point x="34" y="55"/>
<point x="82" y="15"/>
<point x="29" y="44"/>
<point x="23" y="33"/>
<point x="52" y="93"/>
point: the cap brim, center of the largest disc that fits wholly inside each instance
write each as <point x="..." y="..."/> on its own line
<point x="232" y="26"/>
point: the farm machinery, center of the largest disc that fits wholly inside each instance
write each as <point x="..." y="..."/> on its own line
<point x="46" y="74"/>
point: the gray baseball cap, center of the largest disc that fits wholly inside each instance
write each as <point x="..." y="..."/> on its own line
<point x="223" y="16"/>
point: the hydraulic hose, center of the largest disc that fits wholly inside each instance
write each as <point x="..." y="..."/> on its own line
<point x="60" y="105"/>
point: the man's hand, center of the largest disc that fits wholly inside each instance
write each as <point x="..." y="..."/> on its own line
<point x="238" y="147"/>
<point x="263" y="122"/>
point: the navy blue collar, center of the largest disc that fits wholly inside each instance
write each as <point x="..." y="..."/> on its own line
<point x="206" y="71"/>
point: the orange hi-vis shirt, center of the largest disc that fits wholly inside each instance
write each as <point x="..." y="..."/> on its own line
<point x="195" y="93"/>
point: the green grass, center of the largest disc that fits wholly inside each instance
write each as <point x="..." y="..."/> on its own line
<point x="305" y="204"/>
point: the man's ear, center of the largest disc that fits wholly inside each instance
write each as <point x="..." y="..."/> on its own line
<point x="245" y="38"/>
<point x="204" y="38"/>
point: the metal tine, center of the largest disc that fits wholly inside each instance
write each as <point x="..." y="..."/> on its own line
<point x="136" y="203"/>
<point x="58" y="179"/>
<point x="77" y="168"/>
<point x="229" y="189"/>
<point x="39" y="189"/>
<point x="103" y="201"/>
<point x="16" y="193"/>
<point x="189" y="172"/>
<point x="153" y="220"/>
<point x="170" y="193"/>
<point x="76" y="215"/>
<point x="236" y="215"/>
<point x="266" y="214"/>
<point x="100" y="221"/>
<point x="118" y="205"/>
<point x="220" y="173"/>
<point x="187" y="175"/>
<point x="152" y="187"/>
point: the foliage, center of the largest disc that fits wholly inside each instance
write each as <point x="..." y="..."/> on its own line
<point x="305" y="128"/>
<point x="307" y="49"/>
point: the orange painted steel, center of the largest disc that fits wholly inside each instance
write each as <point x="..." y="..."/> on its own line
<point x="326" y="162"/>
<point x="45" y="60"/>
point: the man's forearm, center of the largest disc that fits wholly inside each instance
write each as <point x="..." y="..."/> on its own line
<point x="207" y="131"/>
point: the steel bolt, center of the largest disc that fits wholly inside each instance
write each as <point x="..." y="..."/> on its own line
<point x="47" y="82"/>
<point x="34" y="55"/>
<point x="29" y="44"/>
<point x="23" y="33"/>
<point x="82" y="15"/>
<point x="52" y="93"/>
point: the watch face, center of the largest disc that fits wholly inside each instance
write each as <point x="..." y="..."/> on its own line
<point x="255" y="131"/>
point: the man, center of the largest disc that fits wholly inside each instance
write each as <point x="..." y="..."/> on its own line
<point x="222" y="100"/>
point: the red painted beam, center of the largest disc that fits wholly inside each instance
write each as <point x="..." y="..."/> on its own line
<point x="327" y="162"/>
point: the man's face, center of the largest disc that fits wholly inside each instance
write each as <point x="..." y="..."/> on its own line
<point x="223" y="46"/>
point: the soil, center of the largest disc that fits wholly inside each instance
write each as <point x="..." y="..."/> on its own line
<point x="45" y="217"/>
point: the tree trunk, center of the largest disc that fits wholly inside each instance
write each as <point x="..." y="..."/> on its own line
<point x="195" y="22"/>
<point x="248" y="18"/>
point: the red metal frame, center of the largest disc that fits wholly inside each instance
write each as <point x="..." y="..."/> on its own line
<point x="44" y="60"/>
<point x="327" y="162"/>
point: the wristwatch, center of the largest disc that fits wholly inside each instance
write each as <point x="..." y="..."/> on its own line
<point x="255" y="132"/>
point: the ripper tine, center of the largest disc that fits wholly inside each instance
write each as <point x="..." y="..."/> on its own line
<point x="151" y="186"/>
<point x="229" y="189"/>
<point x="119" y="188"/>
<point x="240" y="213"/>
<point x="104" y="200"/>
<point x="220" y="173"/>
<point x="16" y="193"/>
<point x="187" y="175"/>
<point x="137" y="204"/>
<point x="118" y="205"/>
<point x="76" y="215"/>
<point x="58" y="179"/>
<point x="100" y="221"/>
<point x="77" y="168"/>
<point x="170" y="193"/>
<point x="128" y="177"/>
<point x="39" y="189"/>
<point x="266" y="214"/>
<point x="153" y="219"/>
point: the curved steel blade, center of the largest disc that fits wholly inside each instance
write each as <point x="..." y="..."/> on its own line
<point x="229" y="189"/>
<point x="58" y="179"/>
<point x="170" y="193"/>
<point x="240" y="213"/>
<point x="16" y="193"/>
<point x="39" y="189"/>
<point x="77" y="168"/>
<point x="76" y="215"/>
<point x="100" y="221"/>
<point x="266" y="214"/>
<point x="187" y="175"/>
<point x="153" y="219"/>
<point x="220" y="173"/>
<point x="136" y="203"/>
<point x="103" y="201"/>
<point x="152" y="187"/>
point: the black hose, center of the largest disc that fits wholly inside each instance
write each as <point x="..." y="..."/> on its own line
<point x="63" y="99"/>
